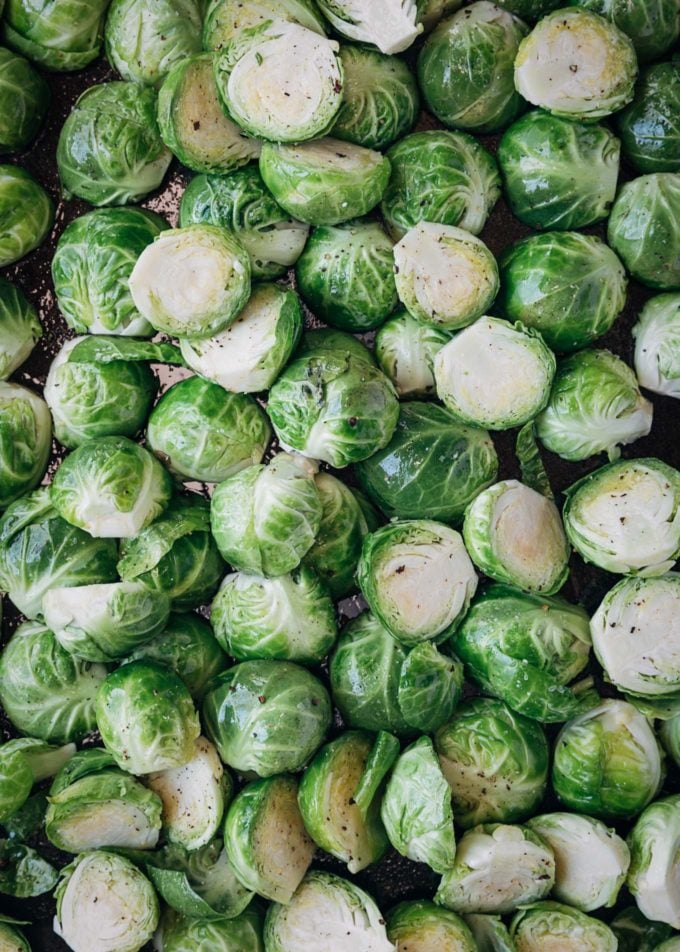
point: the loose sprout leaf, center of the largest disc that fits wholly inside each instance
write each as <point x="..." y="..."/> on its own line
<point x="145" y="551"/>
<point x="534" y="473"/>
<point x="101" y="349"/>
<point x="23" y="872"/>
<point x="379" y="762"/>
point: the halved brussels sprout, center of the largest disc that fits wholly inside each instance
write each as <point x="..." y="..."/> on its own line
<point x="405" y="351"/>
<point x="324" y="182"/>
<point x="20" y="328"/>
<point x="643" y="229"/>
<point x="649" y="127"/>
<point x="490" y="933"/>
<point x="417" y="578"/>
<point x="224" y="21"/>
<point x="591" y="861"/>
<point x="497" y="869"/>
<point x="558" y="173"/>
<point x="445" y="276"/>
<point x="637" y="934"/>
<point x="143" y="43"/>
<point x="103" y="901"/>
<point x="607" y="761"/>
<point x="193" y="281"/>
<point x="543" y="925"/>
<point x="494" y="374"/>
<point x="496" y="763"/>
<point x="11" y="939"/>
<point x="570" y="287"/>
<point x="576" y="64"/>
<point x="110" y="151"/>
<point x="266" y="717"/>
<point x="24" y="98"/>
<point x="63" y="35"/>
<point x="391" y="25"/>
<point x="465" y="68"/>
<point x="653" y="877"/>
<point x="420" y="926"/>
<point x="595" y="406"/>
<point x="23" y="762"/>
<point x="526" y="650"/>
<point x="652" y="25"/>
<point x="146" y="718"/>
<point x="26" y="213"/>
<point x="241" y="203"/>
<point x="25" y="441"/>
<point x="179" y="933"/>
<point x="442" y="177"/>
<point x="346" y="275"/>
<point x="657" y="345"/>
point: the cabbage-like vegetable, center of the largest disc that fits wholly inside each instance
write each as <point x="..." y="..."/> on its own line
<point x="653" y="878"/>
<point x="405" y="351"/>
<point x="179" y="933"/>
<point x="143" y="43"/>
<point x="63" y="35"/>
<point x="25" y="441"/>
<point x="649" y="125"/>
<point x="391" y="25"/>
<point x="20" y="328"/>
<point x="26" y="213"/>
<point x="224" y="21"/>
<point x="24" y="98"/>
<point x="657" y="345"/>
<point x="543" y="924"/>
<point x="652" y="25"/>
<point x="422" y="926"/>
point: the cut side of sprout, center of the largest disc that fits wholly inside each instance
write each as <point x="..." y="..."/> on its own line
<point x="391" y="25"/>
<point x="657" y="345"/>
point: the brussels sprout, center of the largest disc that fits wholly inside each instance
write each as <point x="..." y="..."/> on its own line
<point x="241" y="203"/>
<point x="602" y="66"/>
<point x="104" y="901"/>
<point x="24" y="873"/>
<point x="653" y="878"/>
<point x="405" y="351"/>
<point x="497" y="869"/>
<point x="652" y="25"/>
<point x="45" y="691"/>
<point x="490" y="933"/>
<point x="333" y="407"/>
<point x="607" y="761"/>
<point x="430" y="12"/>
<point x="23" y="762"/>
<point x="637" y="934"/>
<point x="61" y="35"/>
<point x="185" y="934"/>
<point x="266" y="518"/>
<point x="465" y="69"/>
<point x="420" y="926"/>
<point x="110" y="151"/>
<point x="649" y="126"/>
<point x="224" y="20"/>
<point x="25" y="441"/>
<point x="192" y="282"/>
<point x="12" y="940"/>
<point x="494" y="375"/>
<point x="346" y="275"/>
<point x="558" y="173"/>
<point x="545" y="924"/>
<point x="328" y="340"/>
<point x="657" y="345"/>
<point x="24" y="98"/>
<point x="669" y="735"/>
<point x="591" y="861"/>
<point x="416" y="808"/>
<point x="26" y="214"/>
<point x="324" y="182"/>
<point x="442" y="177"/>
<point x="144" y="43"/>
<point x="570" y="287"/>
<point x="444" y="275"/>
<point x="417" y="578"/>
<point x="329" y="910"/>
<point x="496" y="763"/>
<point x="91" y="266"/>
<point x="146" y="718"/>
<point x="289" y="618"/>
<point x="643" y="229"/>
<point x="266" y="717"/>
<point x="595" y="406"/>
<point x="20" y="329"/>
<point x="430" y="687"/>
<point x="391" y="25"/>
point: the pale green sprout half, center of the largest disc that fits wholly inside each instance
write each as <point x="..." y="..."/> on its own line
<point x="545" y="926"/>
<point x="391" y="25"/>
<point x="657" y="345"/>
<point x="422" y="926"/>
<point x="185" y="933"/>
<point x="405" y="351"/>
<point x="655" y="845"/>
<point x="224" y="20"/>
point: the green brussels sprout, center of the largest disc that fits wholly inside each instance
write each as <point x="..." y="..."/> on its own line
<point x="111" y="487"/>
<point x="649" y="126"/>
<point x="442" y="177"/>
<point x="25" y="761"/>
<point x="61" y="35"/>
<point x="494" y="374"/>
<point x="445" y="276"/>
<point x="380" y="99"/>
<point x="146" y="718"/>
<point x="12" y="940"/>
<point x="324" y="182"/>
<point x="652" y="25"/>
<point x="591" y="861"/>
<point x="637" y="934"/>
<point x="656" y="334"/>
<point x="465" y="69"/>
<point x="179" y="933"/>
<point x="266" y="518"/>
<point x="416" y="808"/>
<point x="595" y="406"/>
<point x="20" y="329"/>
<point x="45" y="691"/>
<point x="39" y="549"/>
<point x="224" y="21"/>
<point x="653" y="879"/>
<point x="405" y="351"/>
<point x="417" y="578"/>
<point x="144" y="43"/>
<point x="570" y="287"/>
<point x="515" y="535"/>
<point x="432" y="468"/>
<point x="496" y="763"/>
<point x="625" y="518"/>
<point x="543" y="925"/>
<point x="24" y="98"/>
<point x="420" y="926"/>
<point x="328" y="340"/>
<point x="26" y="214"/>
<point x="25" y="441"/>
<point x="601" y="61"/>
<point x="391" y="25"/>
<point x="643" y="229"/>
<point x="266" y="717"/>
<point x="110" y="151"/>
<point x="346" y="275"/>
<point x="530" y="9"/>
<point x="490" y="933"/>
<point x="497" y="869"/>
<point x="669" y="735"/>
<point x="193" y="281"/>
<point x="24" y="873"/>
<point x="92" y="913"/>
<point x="559" y="174"/>
<point x="334" y="407"/>
<point x="607" y="762"/>
<point x="326" y="907"/>
<point x="289" y="618"/>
